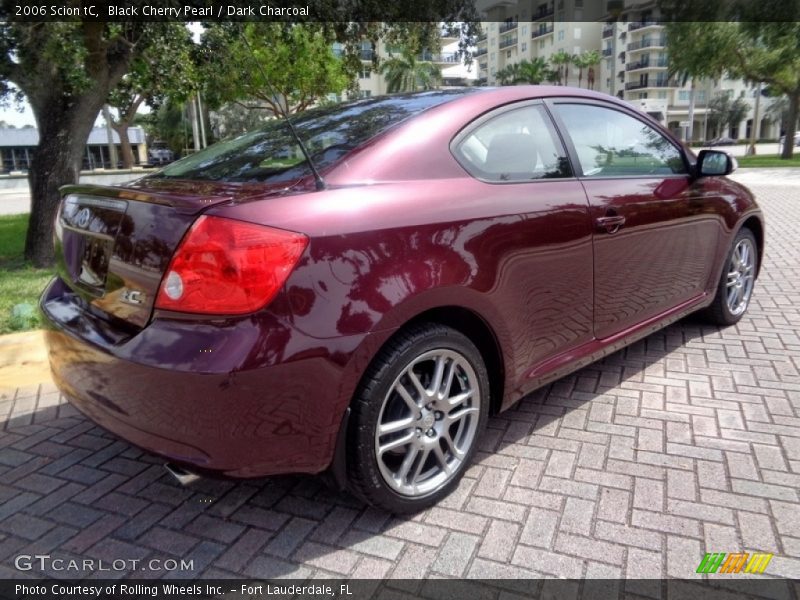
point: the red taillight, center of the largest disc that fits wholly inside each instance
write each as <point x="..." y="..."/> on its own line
<point x="224" y="266"/>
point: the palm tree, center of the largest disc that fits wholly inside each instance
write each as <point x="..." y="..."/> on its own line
<point x="509" y="75"/>
<point x="561" y="60"/>
<point x="591" y="59"/>
<point x="405" y="73"/>
<point x="533" y="71"/>
<point x="579" y="61"/>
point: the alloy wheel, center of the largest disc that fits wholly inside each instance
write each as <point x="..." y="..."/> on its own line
<point x="428" y="422"/>
<point x="741" y="275"/>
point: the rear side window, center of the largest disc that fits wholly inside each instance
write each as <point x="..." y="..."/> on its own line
<point x="610" y="143"/>
<point x="515" y="146"/>
<point x="272" y="154"/>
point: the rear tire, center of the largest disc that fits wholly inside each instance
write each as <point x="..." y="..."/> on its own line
<point x="417" y="418"/>
<point x="736" y="282"/>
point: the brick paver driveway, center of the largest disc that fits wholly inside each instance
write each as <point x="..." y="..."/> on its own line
<point x="687" y="442"/>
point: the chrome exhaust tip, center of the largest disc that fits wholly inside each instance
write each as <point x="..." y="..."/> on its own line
<point x="181" y="475"/>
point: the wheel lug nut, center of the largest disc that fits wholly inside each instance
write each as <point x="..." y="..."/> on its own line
<point x="438" y="415"/>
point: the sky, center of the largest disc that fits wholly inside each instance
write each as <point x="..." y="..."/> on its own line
<point x="13" y="115"/>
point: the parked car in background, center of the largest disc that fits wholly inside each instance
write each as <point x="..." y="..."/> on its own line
<point x="721" y="141"/>
<point x="159" y="154"/>
<point x="782" y="141"/>
<point x="240" y="316"/>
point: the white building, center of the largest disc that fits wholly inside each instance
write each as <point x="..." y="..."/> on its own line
<point x="634" y="67"/>
<point x="373" y="83"/>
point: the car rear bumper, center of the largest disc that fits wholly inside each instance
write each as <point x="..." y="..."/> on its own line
<point x="240" y="398"/>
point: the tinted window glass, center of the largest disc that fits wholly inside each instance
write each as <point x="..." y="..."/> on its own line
<point x="272" y="154"/>
<point x="518" y="145"/>
<point x="610" y="143"/>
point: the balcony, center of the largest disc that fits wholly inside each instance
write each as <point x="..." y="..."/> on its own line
<point x="608" y="31"/>
<point x="481" y="38"/>
<point x="607" y="52"/>
<point x="504" y="27"/>
<point x="508" y="42"/>
<point x="542" y="13"/>
<point x="481" y="52"/>
<point x="658" y="83"/>
<point x="483" y="66"/>
<point x="367" y="54"/>
<point x="441" y="58"/>
<point x="642" y="24"/>
<point x="542" y="31"/>
<point x="661" y="63"/>
<point x="658" y="42"/>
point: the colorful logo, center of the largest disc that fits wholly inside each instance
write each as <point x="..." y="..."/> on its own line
<point x="740" y="562"/>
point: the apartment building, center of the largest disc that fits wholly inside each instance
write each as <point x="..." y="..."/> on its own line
<point x="373" y="83"/>
<point x="516" y="31"/>
<point x="634" y="67"/>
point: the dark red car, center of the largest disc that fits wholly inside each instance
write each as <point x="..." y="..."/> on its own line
<point x="241" y="317"/>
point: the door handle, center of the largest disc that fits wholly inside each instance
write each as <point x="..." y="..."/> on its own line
<point x="610" y="224"/>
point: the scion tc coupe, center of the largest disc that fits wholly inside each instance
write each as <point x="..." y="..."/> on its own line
<point x="357" y="297"/>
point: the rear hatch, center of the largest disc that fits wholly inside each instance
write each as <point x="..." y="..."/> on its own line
<point x="113" y="244"/>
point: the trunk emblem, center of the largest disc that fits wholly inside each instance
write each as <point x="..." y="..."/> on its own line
<point x="132" y="297"/>
<point x="83" y="218"/>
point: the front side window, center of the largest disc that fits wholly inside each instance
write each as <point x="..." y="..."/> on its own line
<point x="516" y="146"/>
<point x="610" y="143"/>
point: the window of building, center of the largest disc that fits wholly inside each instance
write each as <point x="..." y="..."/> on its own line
<point x="662" y="95"/>
<point x="610" y="143"/>
<point x="642" y="95"/>
<point x="577" y="33"/>
<point x="524" y="31"/>
<point x="524" y="46"/>
<point x="366" y="72"/>
<point x="683" y="96"/>
<point x="560" y="35"/>
<point x="365" y="93"/>
<point x="516" y="146"/>
<point x="541" y="43"/>
<point x="700" y="96"/>
<point x="491" y="56"/>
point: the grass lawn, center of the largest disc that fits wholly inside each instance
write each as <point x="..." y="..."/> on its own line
<point x="769" y="160"/>
<point x="19" y="282"/>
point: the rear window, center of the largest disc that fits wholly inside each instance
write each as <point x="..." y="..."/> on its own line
<point x="272" y="154"/>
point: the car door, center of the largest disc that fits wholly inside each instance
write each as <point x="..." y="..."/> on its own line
<point x="654" y="244"/>
<point x="543" y="272"/>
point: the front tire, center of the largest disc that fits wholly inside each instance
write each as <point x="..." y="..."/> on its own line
<point x="417" y="418"/>
<point x="736" y="283"/>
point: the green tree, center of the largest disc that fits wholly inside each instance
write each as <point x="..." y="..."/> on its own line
<point x="66" y="70"/>
<point x="756" y="41"/>
<point x="163" y="70"/>
<point x="724" y="112"/>
<point x="561" y="61"/>
<point x="534" y="71"/>
<point x="405" y="73"/>
<point x="704" y="63"/>
<point x="508" y="75"/>
<point x="281" y="67"/>
<point x="591" y="58"/>
<point x="586" y="60"/>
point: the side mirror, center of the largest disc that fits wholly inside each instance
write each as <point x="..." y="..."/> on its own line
<point x="714" y="163"/>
